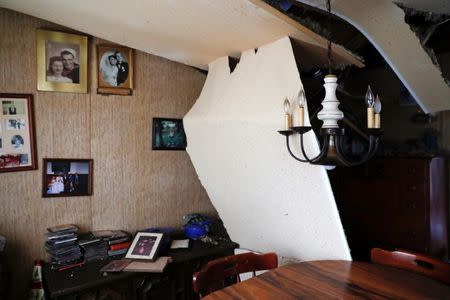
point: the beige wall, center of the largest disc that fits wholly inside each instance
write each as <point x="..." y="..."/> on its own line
<point x="134" y="187"/>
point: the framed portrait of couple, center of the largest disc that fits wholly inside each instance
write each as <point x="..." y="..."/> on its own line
<point x="62" y="62"/>
<point x="114" y="70"/>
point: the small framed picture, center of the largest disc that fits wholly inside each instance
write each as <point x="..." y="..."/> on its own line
<point x="66" y="177"/>
<point x="168" y="134"/>
<point x="114" y="70"/>
<point x="145" y="246"/>
<point x="61" y="62"/>
<point x="17" y="137"/>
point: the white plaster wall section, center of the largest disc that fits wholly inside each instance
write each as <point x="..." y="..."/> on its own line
<point x="267" y="200"/>
<point x="382" y="22"/>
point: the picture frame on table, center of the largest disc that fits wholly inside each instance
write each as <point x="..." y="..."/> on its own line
<point x="64" y="177"/>
<point x="17" y="135"/>
<point x="114" y="70"/>
<point x="168" y="134"/>
<point x="62" y="62"/>
<point x="145" y="246"/>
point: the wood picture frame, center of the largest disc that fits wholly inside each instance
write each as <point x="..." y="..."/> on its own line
<point x="114" y="70"/>
<point x="62" y="62"/>
<point x="145" y="246"/>
<point x="17" y="135"/>
<point x="168" y="134"/>
<point x="66" y="177"/>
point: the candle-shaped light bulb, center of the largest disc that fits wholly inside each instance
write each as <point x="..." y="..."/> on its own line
<point x="370" y="98"/>
<point x="287" y="106"/>
<point x="287" y="115"/>
<point x="301" y="104"/>
<point x="377" y="108"/>
<point x="370" y="101"/>
<point x="377" y="105"/>
<point x="301" y="98"/>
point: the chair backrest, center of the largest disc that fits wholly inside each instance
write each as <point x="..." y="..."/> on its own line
<point x="222" y="272"/>
<point x="412" y="261"/>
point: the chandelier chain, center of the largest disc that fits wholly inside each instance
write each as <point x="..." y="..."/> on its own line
<point x="329" y="52"/>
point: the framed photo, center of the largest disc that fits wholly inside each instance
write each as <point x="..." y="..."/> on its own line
<point x="61" y="62"/>
<point x="66" y="177"/>
<point x="114" y="70"/>
<point x="17" y="137"/>
<point x="168" y="134"/>
<point x="145" y="246"/>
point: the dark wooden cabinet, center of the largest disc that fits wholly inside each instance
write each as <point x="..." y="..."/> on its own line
<point x="395" y="203"/>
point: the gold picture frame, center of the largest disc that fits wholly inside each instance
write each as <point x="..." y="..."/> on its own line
<point x="17" y="135"/>
<point x="62" y="62"/>
<point x="114" y="70"/>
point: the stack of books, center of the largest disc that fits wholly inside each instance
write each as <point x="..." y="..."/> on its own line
<point x="118" y="246"/>
<point x="103" y="244"/>
<point x="118" y="241"/>
<point x="62" y="247"/>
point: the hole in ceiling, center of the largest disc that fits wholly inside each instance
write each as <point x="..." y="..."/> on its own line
<point x="433" y="32"/>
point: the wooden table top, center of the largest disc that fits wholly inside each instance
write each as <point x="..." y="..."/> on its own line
<point x="335" y="279"/>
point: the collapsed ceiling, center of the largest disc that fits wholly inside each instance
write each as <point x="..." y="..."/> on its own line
<point x="382" y="23"/>
<point x="198" y="32"/>
<point x="191" y="32"/>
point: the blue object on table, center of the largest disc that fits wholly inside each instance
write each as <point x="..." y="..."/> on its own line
<point x="197" y="226"/>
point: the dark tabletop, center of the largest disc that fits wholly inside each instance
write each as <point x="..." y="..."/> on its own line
<point x="335" y="280"/>
<point x="89" y="276"/>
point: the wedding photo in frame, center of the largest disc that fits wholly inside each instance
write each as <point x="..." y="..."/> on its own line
<point x="62" y="62"/>
<point x="168" y="134"/>
<point x="66" y="177"/>
<point x="114" y="70"/>
<point x="17" y="136"/>
<point x="145" y="246"/>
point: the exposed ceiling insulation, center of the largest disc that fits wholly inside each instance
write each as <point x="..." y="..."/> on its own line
<point x="436" y="6"/>
<point x="191" y="32"/>
<point x="383" y="23"/>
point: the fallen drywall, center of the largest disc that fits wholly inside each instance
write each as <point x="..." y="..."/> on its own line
<point x="266" y="199"/>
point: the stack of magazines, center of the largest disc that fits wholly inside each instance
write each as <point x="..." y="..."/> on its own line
<point x="62" y="247"/>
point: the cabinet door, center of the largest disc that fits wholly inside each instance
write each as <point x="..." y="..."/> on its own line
<point x="394" y="203"/>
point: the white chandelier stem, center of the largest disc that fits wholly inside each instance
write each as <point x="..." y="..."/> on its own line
<point x="330" y="113"/>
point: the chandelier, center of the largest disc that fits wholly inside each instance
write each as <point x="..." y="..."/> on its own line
<point x="333" y="151"/>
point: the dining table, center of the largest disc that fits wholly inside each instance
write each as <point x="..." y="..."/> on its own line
<point x="335" y="279"/>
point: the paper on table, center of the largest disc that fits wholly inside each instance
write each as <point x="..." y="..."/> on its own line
<point x="116" y="265"/>
<point x="148" y="266"/>
<point x="179" y="244"/>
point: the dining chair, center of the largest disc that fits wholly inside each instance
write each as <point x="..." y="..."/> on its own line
<point x="222" y="272"/>
<point x="412" y="261"/>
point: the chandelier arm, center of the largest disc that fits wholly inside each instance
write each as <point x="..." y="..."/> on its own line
<point x="292" y="154"/>
<point x="373" y="146"/>
<point x="322" y="153"/>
